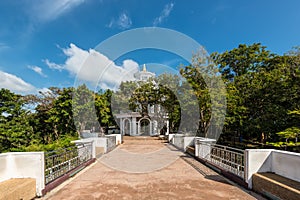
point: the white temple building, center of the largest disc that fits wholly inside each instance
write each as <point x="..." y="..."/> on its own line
<point x="156" y="121"/>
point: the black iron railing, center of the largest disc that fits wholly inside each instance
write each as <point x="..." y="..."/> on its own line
<point x="60" y="162"/>
<point x="227" y="158"/>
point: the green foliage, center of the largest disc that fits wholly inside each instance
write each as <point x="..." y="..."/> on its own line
<point x="261" y="88"/>
<point x="195" y="80"/>
<point x="15" y="130"/>
<point x="242" y="60"/>
<point x="60" y="143"/>
<point x="210" y="98"/>
<point x="103" y="108"/>
<point x="61" y="115"/>
<point x="290" y="133"/>
<point x="84" y="108"/>
<point x="262" y="95"/>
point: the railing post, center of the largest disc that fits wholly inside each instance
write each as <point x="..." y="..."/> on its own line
<point x="93" y="148"/>
<point x="196" y="147"/>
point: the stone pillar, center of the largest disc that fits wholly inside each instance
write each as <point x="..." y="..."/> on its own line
<point x="121" y="126"/>
<point x="133" y="125"/>
<point x="150" y="124"/>
<point x="167" y="133"/>
<point x="93" y="148"/>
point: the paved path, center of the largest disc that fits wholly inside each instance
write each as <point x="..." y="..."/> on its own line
<point x="148" y="169"/>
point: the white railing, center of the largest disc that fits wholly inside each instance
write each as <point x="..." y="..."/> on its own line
<point x="227" y="158"/>
<point x="58" y="163"/>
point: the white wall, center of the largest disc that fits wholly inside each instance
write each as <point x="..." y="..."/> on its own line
<point x="170" y="138"/>
<point x="188" y="141"/>
<point x="286" y="164"/>
<point x="23" y="165"/>
<point x="111" y="142"/>
<point x="283" y="163"/>
<point x="108" y="142"/>
<point x="257" y="160"/>
<point x="178" y="141"/>
<point x="97" y="142"/>
<point x="206" y="151"/>
<point x="181" y="141"/>
<point x="119" y="138"/>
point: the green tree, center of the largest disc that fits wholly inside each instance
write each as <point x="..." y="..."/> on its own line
<point x="42" y="103"/>
<point x="202" y="75"/>
<point x="84" y="112"/>
<point x="261" y="87"/>
<point x="103" y="108"/>
<point x="15" y="130"/>
<point x="294" y="131"/>
<point x="61" y="115"/>
<point x="241" y="60"/>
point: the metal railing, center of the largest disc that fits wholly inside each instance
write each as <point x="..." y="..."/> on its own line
<point x="228" y="158"/>
<point x="58" y="163"/>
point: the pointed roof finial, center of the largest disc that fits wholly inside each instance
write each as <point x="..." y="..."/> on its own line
<point x="144" y="68"/>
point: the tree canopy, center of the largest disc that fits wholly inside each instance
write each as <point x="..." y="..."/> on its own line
<point x="262" y="102"/>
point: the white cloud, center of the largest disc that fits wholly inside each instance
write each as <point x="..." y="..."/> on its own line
<point x="14" y="83"/>
<point x="164" y="14"/>
<point x="43" y="11"/>
<point x="37" y="70"/>
<point x="123" y="22"/>
<point x="52" y="65"/>
<point x="3" y="46"/>
<point x="96" y="68"/>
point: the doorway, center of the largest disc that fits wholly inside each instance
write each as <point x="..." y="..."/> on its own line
<point x="145" y="127"/>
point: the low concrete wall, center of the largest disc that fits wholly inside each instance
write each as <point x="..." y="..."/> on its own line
<point x="178" y="141"/>
<point x="23" y="165"/>
<point x="88" y="134"/>
<point x="170" y="138"/>
<point x="182" y="141"/>
<point x="256" y="160"/>
<point x="207" y="149"/>
<point x="119" y="138"/>
<point x="188" y="141"/>
<point x="283" y="163"/>
<point x="100" y="144"/>
<point x="111" y="142"/>
<point x="286" y="164"/>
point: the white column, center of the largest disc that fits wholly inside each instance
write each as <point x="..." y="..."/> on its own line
<point x="133" y="125"/>
<point x="167" y="133"/>
<point x="150" y="124"/>
<point x="93" y="148"/>
<point x="121" y="126"/>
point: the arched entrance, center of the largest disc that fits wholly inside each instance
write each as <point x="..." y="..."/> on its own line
<point x="145" y="127"/>
<point x="127" y="127"/>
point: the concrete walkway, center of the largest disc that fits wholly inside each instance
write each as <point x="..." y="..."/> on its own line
<point x="148" y="169"/>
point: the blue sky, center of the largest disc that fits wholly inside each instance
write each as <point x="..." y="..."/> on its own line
<point x="42" y="43"/>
